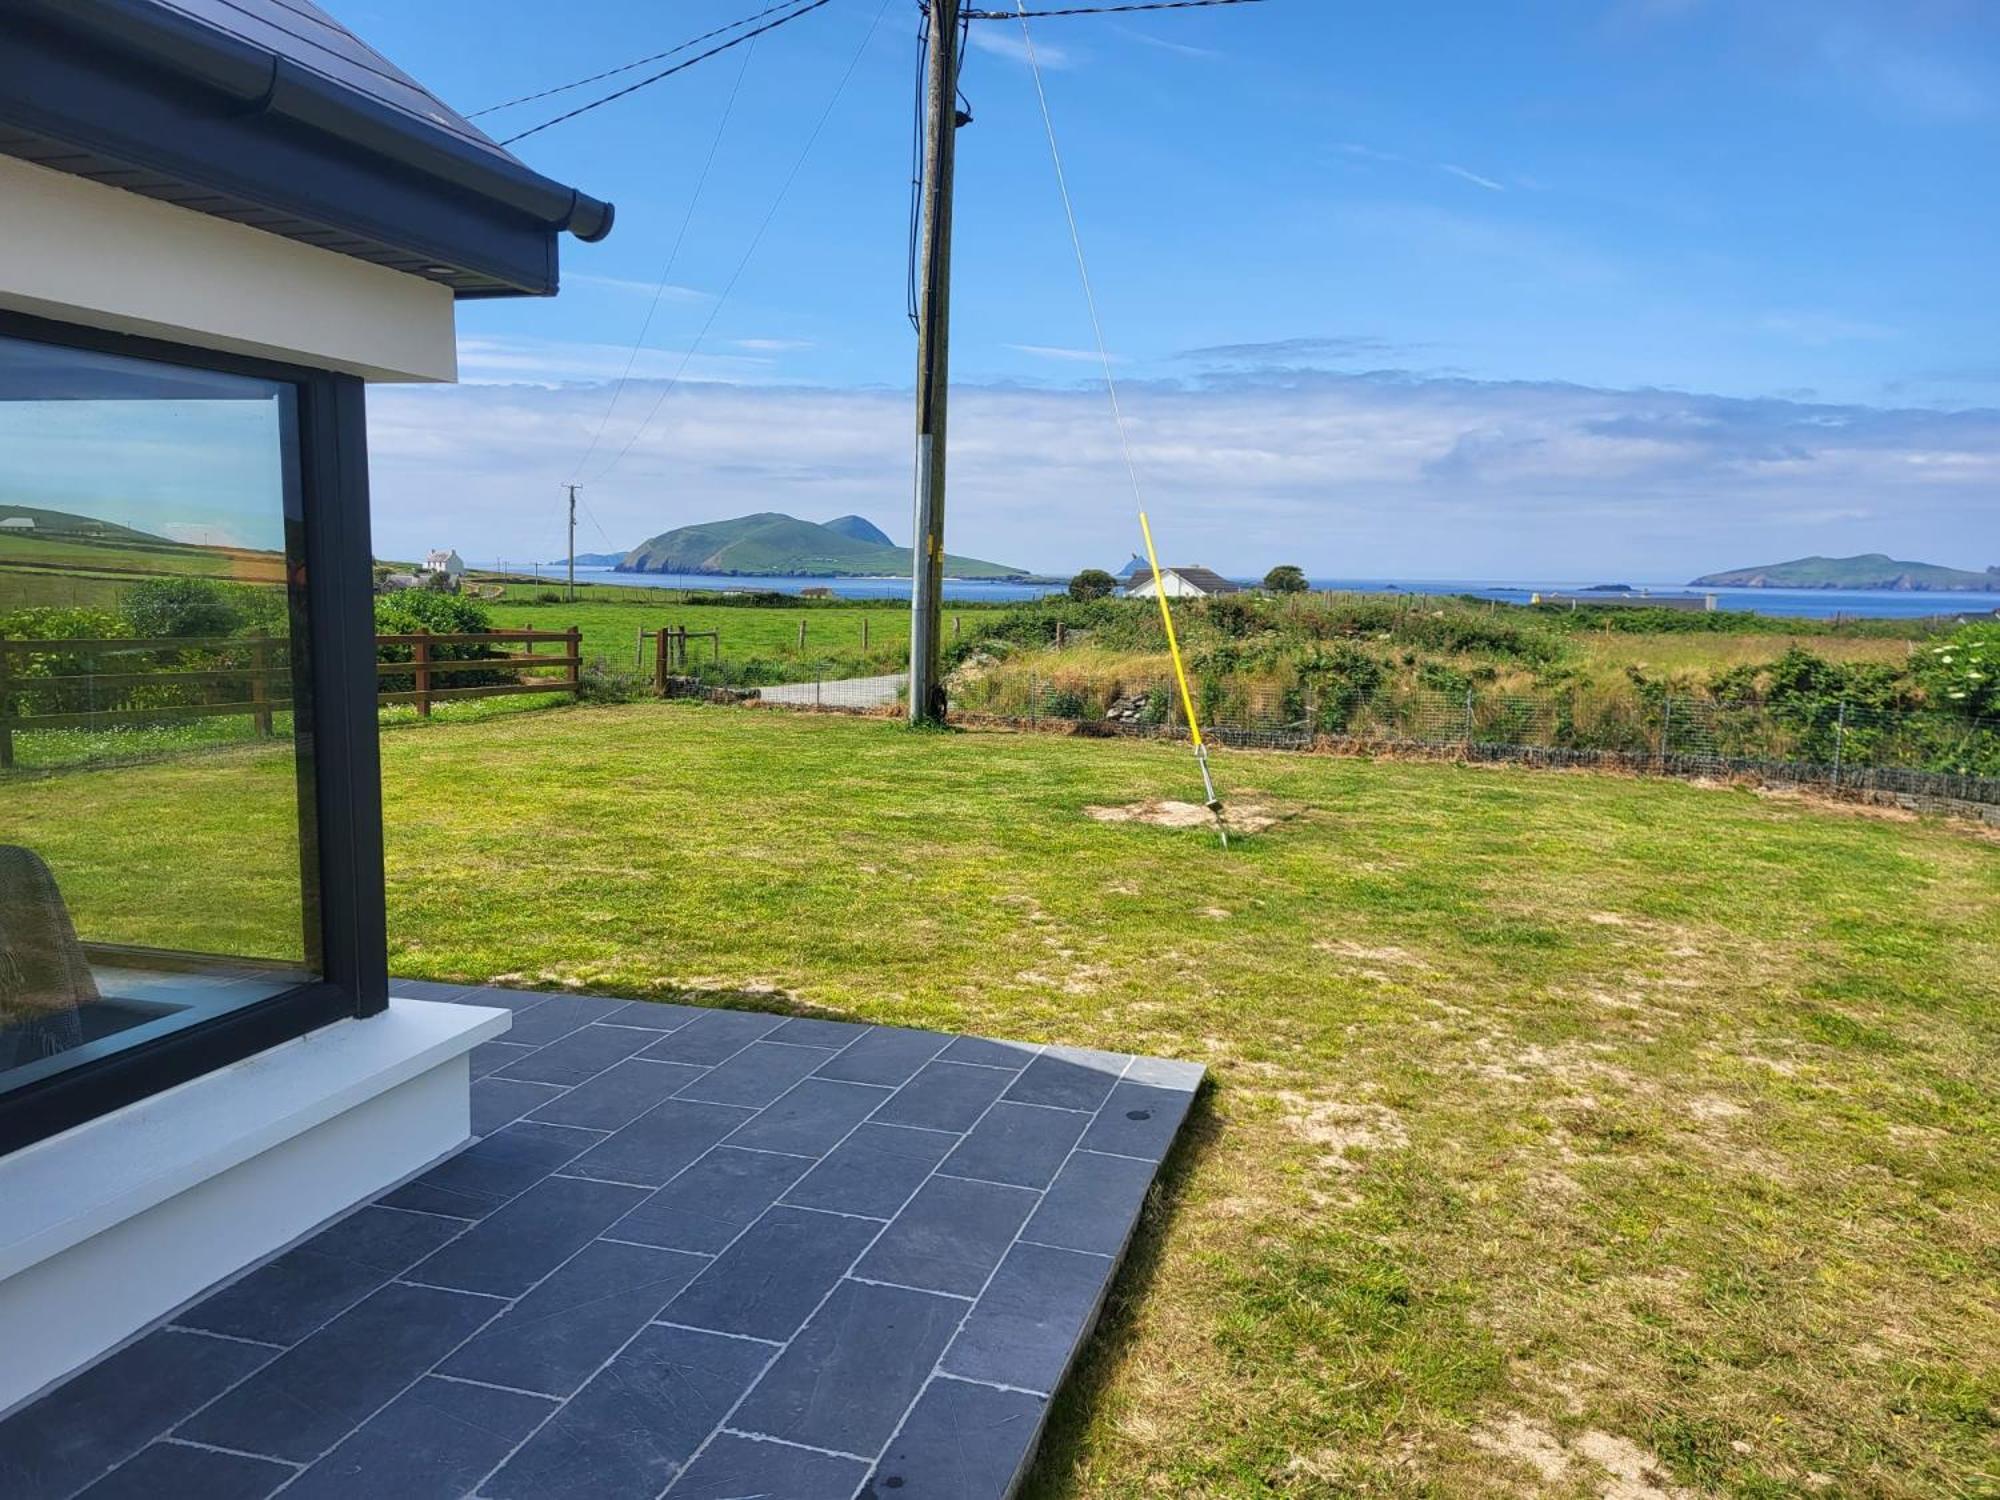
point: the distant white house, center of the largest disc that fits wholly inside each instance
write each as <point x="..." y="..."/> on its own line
<point x="1182" y="583"/>
<point x="18" y="523"/>
<point x="448" y="563"/>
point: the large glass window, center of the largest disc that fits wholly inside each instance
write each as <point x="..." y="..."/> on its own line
<point x="153" y="869"/>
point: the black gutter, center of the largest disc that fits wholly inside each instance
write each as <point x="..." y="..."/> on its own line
<point x="267" y="84"/>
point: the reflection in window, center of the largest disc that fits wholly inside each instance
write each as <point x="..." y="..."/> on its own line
<point x="151" y="858"/>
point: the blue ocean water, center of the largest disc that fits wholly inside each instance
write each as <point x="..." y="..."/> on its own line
<point x="1810" y="604"/>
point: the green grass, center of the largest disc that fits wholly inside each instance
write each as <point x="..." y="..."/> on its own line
<point x="1556" y="1118"/>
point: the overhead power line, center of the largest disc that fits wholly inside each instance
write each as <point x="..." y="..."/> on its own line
<point x="564" y="88"/>
<point x="680" y="67"/>
<point x="1099" y="10"/>
<point x="784" y="189"/>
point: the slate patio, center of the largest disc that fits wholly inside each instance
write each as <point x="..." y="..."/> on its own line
<point x="692" y="1253"/>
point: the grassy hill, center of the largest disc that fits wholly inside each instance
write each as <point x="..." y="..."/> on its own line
<point x="861" y="529"/>
<point x="67" y="524"/>
<point x="770" y="544"/>
<point x="1871" y="570"/>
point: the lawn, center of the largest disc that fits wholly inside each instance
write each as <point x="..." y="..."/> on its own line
<point x="1563" y="1127"/>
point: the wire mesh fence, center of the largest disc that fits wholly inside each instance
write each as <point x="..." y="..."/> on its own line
<point x="1925" y="756"/>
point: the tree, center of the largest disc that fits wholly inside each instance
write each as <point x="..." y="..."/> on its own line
<point x="1286" y="579"/>
<point x="1092" y="583"/>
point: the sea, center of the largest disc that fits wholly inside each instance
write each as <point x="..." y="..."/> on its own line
<point x="1809" y="604"/>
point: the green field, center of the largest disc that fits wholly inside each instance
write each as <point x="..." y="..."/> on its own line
<point x="1563" y="1127"/>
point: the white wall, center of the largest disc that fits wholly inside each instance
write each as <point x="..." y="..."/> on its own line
<point x="1175" y="588"/>
<point x="85" y="253"/>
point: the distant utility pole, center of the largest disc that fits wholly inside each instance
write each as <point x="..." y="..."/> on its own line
<point x="572" y="543"/>
<point x="942" y="117"/>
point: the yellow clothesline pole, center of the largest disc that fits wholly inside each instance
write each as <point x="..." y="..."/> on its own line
<point x="1214" y="803"/>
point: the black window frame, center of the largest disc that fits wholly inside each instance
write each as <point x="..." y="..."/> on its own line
<point x="340" y="819"/>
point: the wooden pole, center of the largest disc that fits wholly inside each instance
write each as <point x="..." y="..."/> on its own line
<point x="260" y="694"/>
<point x="422" y="652"/>
<point x="660" y="649"/>
<point x="941" y="122"/>
<point x="802" y="635"/>
<point x="6" y="709"/>
<point x="573" y="640"/>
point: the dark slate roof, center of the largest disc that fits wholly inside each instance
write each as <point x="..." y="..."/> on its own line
<point x="1206" y="579"/>
<point x="273" y="114"/>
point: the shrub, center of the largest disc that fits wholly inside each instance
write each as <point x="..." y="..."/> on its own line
<point x="1962" y="676"/>
<point x="1092" y="583"/>
<point x="187" y="608"/>
<point x="413" y="610"/>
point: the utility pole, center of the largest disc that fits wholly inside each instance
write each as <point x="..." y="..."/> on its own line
<point x="572" y="543"/>
<point x="942" y="118"/>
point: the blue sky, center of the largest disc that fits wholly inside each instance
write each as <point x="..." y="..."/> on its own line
<point x="1619" y="287"/>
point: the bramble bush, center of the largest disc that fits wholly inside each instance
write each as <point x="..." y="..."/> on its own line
<point x="1962" y="675"/>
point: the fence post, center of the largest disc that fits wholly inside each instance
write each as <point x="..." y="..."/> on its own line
<point x="864" y="632"/>
<point x="660" y="661"/>
<point x="260" y="693"/>
<point x="1059" y="635"/>
<point x="1839" y="741"/>
<point x="1034" y="701"/>
<point x="1666" y="731"/>
<point x="954" y="627"/>
<point x="639" y="648"/>
<point x="1468" y="721"/>
<point x="573" y="643"/>
<point x="421" y="655"/>
<point x="802" y="635"/>
<point x="6" y="709"/>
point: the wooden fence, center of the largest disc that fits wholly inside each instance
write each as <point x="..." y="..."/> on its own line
<point x="261" y="685"/>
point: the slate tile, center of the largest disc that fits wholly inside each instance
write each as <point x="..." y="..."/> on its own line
<point x="629" y="1431"/>
<point x="886" y="1055"/>
<point x="1068" y="1078"/>
<point x="584" y="1053"/>
<point x="767" y="1283"/>
<point x="557" y="1016"/>
<point x="1093" y="1204"/>
<point x="501" y="1101"/>
<point x="755" y="1076"/>
<point x="811" y="1118"/>
<point x="944" y="1096"/>
<point x="846" y="1380"/>
<point x="1138" y="1120"/>
<point x="732" y="1468"/>
<point x="559" y="1333"/>
<point x="430" y="989"/>
<point x="438" y="1438"/>
<point x="991" y="1054"/>
<point x="170" y="1471"/>
<point x="654" y="1015"/>
<point x="950" y="1237"/>
<point x="487" y="1173"/>
<point x="497" y="997"/>
<point x="491" y="1057"/>
<point x="1030" y="1319"/>
<point x="1017" y="1143"/>
<point x="514" y="1247"/>
<point x="712" y="1202"/>
<point x="873" y="1171"/>
<point x="960" y="1442"/>
<point x="619" y="1095"/>
<point x="309" y="1398"/>
<point x="715" y="1036"/>
<point x="282" y="1302"/>
<point x="810" y="1031"/>
<point x="1166" y="1073"/>
<point x="110" y="1411"/>
<point x="654" y="1148"/>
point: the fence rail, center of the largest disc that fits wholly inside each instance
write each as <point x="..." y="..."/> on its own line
<point x="409" y="670"/>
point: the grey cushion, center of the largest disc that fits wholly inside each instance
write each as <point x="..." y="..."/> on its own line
<point x="44" y="977"/>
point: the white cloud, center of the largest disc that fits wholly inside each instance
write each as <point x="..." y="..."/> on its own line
<point x="1053" y="351"/>
<point x="1351" y="475"/>
<point x="772" y="346"/>
<point x="507" y="361"/>
<point x="625" y="286"/>
<point x="1472" y="177"/>
<point x="1005" y="41"/>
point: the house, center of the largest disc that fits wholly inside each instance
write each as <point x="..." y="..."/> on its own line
<point x="242" y="210"/>
<point x="18" y="523"/>
<point x="1183" y="583"/>
<point x="448" y="564"/>
<point x="817" y="591"/>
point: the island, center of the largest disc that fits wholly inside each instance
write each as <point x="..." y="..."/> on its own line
<point x="772" y="545"/>
<point x="1871" y="570"/>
